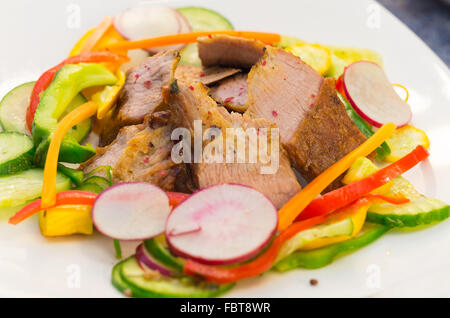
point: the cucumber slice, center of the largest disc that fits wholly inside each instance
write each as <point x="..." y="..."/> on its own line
<point x="117" y="280"/>
<point x="13" y="108"/>
<point x="165" y="287"/>
<point x="16" y="152"/>
<point x="99" y="181"/>
<point x="326" y="230"/>
<point x="159" y="249"/>
<point x="323" y="256"/>
<point x="201" y="19"/>
<point x="80" y="131"/>
<point x="25" y="186"/>
<point x="419" y="211"/>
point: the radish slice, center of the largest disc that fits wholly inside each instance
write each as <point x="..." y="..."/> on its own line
<point x="131" y="211"/>
<point x="222" y="224"/>
<point x="147" y="22"/>
<point x="372" y="95"/>
<point x="146" y="260"/>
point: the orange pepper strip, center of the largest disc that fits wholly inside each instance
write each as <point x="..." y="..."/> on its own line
<point x="254" y="268"/>
<point x="295" y="206"/>
<point x="269" y="38"/>
<point x="62" y="198"/>
<point x="73" y="118"/>
<point x="97" y="34"/>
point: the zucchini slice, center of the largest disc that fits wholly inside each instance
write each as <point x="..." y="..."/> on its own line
<point x="164" y="287"/>
<point x="25" y="186"/>
<point x="419" y="211"/>
<point x="13" y="108"/>
<point x="323" y="256"/>
<point x="16" y="152"/>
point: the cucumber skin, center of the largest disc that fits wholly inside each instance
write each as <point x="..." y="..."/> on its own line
<point x="411" y="220"/>
<point x="323" y="256"/>
<point x="21" y="163"/>
<point x="116" y="279"/>
<point x="2" y="125"/>
<point x="139" y="292"/>
<point x="162" y="255"/>
<point x="187" y="12"/>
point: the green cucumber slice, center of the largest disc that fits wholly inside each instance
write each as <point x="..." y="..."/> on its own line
<point x="25" y="186"/>
<point x="16" y="152"/>
<point x="325" y="255"/>
<point x="117" y="280"/>
<point x="201" y="19"/>
<point x="13" y="108"/>
<point x="159" y="249"/>
<point x="99" y="181"/>
<point x="419" y="211"/>
<point x="165" y="287"/>
<point x="326" y="230"/>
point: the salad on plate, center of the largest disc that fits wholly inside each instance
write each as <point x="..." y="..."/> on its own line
<point x="225" y="153"/>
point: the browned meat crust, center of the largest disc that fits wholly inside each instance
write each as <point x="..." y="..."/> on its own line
<point x="230" y="51"/>
<point x="325" y="135"/>
<point x="191" y="103"/>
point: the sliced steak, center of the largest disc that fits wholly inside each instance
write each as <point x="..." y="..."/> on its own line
<point x="325" y="135"/>
<point x="191" y="102"/>
<point x="229" y="51"/>
<point x="282" y="89"/>
<point x="140" y="153"/>
<point x="141" y="93"/>
<point x="231" y="92"/>
<point x="207" y="76"/>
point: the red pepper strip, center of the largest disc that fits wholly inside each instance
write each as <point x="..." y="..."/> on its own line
<point x="72" y="197"/>
<point x="340" y="86"/>
<point x="176" y="198"/>
<point x="256" y="267"/>
<point x="343" y="196"/>
<point x="44" y="81"/>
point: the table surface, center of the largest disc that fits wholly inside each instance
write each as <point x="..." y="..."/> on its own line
<point x="429" y="19"/>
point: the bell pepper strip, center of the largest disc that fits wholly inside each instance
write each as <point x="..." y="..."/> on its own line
<point x="191" y="37"/>
<point x="63" y="220"/>
<point x="71" y="197"/>
<point x="341" y="197"/>
<point x="295" y="206"/>
<point x="73" y="118"/>
<point x="175" y="198"/>
<point x="312" y="259"/>
<point x="68" y="82"/>
<point x="258" y="266"/>
<point x="96" y="35"/>
<point x="117" y="249"/>
<point x="45" y="79"/>
<point x="76" y="49"/>
<point x="404" y="88"/>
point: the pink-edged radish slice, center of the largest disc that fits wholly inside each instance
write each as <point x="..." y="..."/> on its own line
<point x="372" y="95"/>
<point x="147" y="22"/>
<point x="222" y="224"/>
<point x="144" y="260"/>
<point x="131" y="211"/>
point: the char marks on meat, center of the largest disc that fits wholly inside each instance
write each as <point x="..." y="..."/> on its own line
<point x="325" y="135"/>
<point x="229" y="51"/>
<point x="140" y="153"/>
<point x="282" y="89"/>
<point x="190" y="103"/>
<point x="231" y="92"/>
<point x="141" y="93"/>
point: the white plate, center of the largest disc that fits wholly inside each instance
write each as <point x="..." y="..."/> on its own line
<point x="38" y="34"/>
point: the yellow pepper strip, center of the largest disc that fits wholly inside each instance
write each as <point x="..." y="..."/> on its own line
<point x="73" y="118"/>
<point x="295" y="206"/>
<point x="66" y="220"/>
<point x="405" y="89"/>
<point x="97" y="34"/>
<point x="78" y="47"/>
